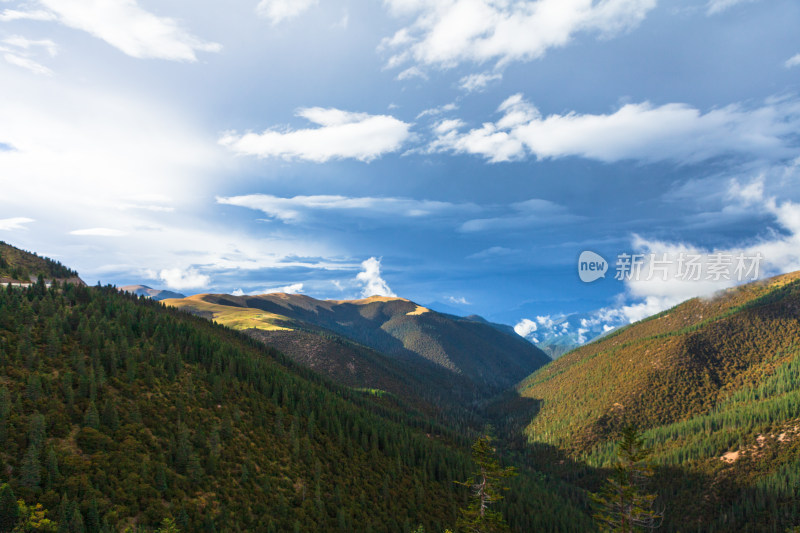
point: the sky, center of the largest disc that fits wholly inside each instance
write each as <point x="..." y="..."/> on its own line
<point x="459" y="153"/>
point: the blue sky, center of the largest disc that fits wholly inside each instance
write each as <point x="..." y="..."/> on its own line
<point x="455" y="151"/>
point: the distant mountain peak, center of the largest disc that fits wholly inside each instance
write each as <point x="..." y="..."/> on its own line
<point x="149" y="292"/>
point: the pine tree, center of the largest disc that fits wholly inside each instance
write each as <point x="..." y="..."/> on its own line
<point x="622" y="505"/>
<point x="168" y="525"/>
<point x="31" y="469"/>
<point x="9" y="510"/>
<point x="487" y="485"/>
<point x="92" y="418"/>
<point x="92" y="518"/>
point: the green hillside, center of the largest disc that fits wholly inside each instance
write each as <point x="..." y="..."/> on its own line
<point x="116" y="411"/>
<point x="715" y="384"/>
<point x="16" y="264"/>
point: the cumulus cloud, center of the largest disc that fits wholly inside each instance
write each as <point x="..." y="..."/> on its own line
<point x="302" y="208"/>
<point x="779" y="252"/>
<point x="458" y="300"/>
<point x="478" y="82"/>
<point x="370" y="278"/>
<point x="99" y="232"/>
<point x="793" y="61"/>
<point x="676" y="132"/>
<point x="177" y="278"/>
<point x="525" y="327"/>
<point x="340" y="135"/>
<point x="279" y="10"/>
<point x="126" y="26"/>
<point x="10" y="224"/>
<point x="448" y="32"/>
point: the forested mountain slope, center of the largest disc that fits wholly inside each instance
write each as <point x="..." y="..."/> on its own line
<point x="715" y="384"/>
<point x="116" y="411"/>
<point x="16" y="264"/>
<point x="486" y="354"/>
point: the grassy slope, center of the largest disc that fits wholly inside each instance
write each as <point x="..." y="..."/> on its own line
<point x="706" y="378"/>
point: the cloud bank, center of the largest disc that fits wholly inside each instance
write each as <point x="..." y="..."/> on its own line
<point x="302" y="208"/>
<point x="671" y="132"/>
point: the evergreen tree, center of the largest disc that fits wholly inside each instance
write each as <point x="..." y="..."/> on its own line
<point x="31" y="469"/>
<point x="622" y="505"/>
<point x="168" y="525"/>
<point x="92" y="418"/>
<point x="487" y="485"/>
<point x="9" y="510"/>
<point x="92" y="518"/>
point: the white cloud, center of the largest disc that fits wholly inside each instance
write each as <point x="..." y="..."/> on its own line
<point x="642" y="131"/>
<point x="10" y="224"/>
<point x="25" y="43"/>
<point x="780" y="251"/>
<point x="458" y="300"/>
<point x="531" y="212"/>
<point x="370" y="278"/>
<point x="718" y="6"/>
<point x="301" y="208"/>
<point x="9" y="15"/>
<point x="237" y="292"/>
<point x="126" y="26"/>
<point x="525" y="327"/>
<point x="294" y="288"/>
<point x="494" y="251"/>
<point x="793" y="61"/>
<point x="448" y="32"/>
<point x="27" y="64"/>
<point x="279" y="10"/>
<point x="478" y="82"/>
<point x="98" y="232"/>
<point x="411" y="73"/>
<point x="342" y="134"/>
<point x="434" y="111"/>
<point x="178" y="279"/>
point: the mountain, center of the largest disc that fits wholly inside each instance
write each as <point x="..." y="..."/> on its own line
<point x="20" y="266"/>
<point x="559" y="334"/>
<point x="715" y="385"/>
<point x="117" y="412"/>
<point x="490" y="356"/>
<point x="148" y="292"/>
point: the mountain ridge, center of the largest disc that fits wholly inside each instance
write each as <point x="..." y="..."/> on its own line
<point x="485" y="353"/>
